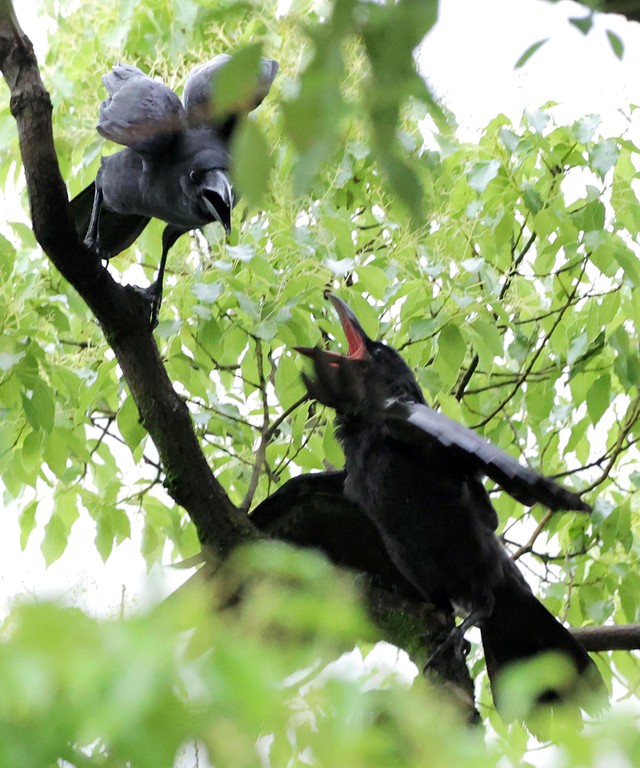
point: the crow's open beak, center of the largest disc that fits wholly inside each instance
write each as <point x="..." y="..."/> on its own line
<point x="356" y="338"/>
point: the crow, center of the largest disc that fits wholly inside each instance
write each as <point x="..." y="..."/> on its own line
<point x="417" y="475"/>
<point x="175" y="166"/>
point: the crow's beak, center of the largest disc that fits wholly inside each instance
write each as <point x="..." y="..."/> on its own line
<point x="356" y="337"/>
<point x="217" y="195"/>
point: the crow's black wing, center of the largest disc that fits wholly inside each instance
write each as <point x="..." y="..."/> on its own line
<point x="413" y="422"/>
<point x="139" y="113"/>
<point x="117" y="231"/>
<point x="312" y="511"/>
<point x="200" y="99"/>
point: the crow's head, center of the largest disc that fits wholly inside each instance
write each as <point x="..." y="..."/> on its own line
<point x="370" y="374"/>
<point x="211" y="192"/>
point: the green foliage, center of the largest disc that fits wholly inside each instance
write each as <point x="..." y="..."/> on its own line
<point x="134" y="692"/>
<point x="506" y="272"/>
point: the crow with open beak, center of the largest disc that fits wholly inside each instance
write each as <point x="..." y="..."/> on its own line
<point x="418" y="476"/>
<point x="175" y="166"/>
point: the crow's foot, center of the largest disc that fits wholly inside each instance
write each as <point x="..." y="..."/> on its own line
<point x="153" y="295"/>
<point x="454" y="640"/>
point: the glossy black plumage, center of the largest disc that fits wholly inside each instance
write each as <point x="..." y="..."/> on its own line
<point x="418" y="476"/>
<point x="175" y="166"/>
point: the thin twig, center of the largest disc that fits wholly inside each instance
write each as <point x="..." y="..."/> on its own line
<point x="534" y="358"/>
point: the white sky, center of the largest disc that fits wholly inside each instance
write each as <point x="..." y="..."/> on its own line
<point x="469" y="59"/>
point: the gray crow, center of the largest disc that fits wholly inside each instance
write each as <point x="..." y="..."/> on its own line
<point x="175" y="166"/>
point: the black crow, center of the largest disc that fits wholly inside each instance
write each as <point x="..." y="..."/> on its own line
<point x="418" y="476"/>
<point x="175" y="166"/>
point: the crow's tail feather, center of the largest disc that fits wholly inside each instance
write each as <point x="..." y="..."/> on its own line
<point x="520" y="629"/>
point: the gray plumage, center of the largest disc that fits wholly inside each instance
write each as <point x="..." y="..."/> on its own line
<point x="175" y="165"/>
<point x="412" y="422"/>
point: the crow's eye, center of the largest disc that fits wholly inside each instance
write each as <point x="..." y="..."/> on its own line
<point x="194" y="176"/>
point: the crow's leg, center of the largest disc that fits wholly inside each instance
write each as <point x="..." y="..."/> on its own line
<point x="456" y="639"/>
<point x="154" y="291"/>
<point x="92" y="237"/>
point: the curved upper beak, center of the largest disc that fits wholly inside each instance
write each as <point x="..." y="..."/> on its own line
<point x="217" y="195"/>
<point x="357" y="339"/>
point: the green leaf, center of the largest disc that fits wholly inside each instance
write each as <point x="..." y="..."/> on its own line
<point x="31" y="454"/>
<point x="235" y="83"/>
<point x="628" y="261"/>
<point x="252" y="163"/>
<point x="583" y="23"/>
<point x="585" y="128"/>
<point x="482" y="173"/>
<point x="532" y="199"/>
<point x="128" y="420"/>
<point x="288" y="381"/>
<point x="332" y="449"/>
<point x="629" y="590"/>
<point x="373" y="280"/>
<point x="104" y="539"/>
<point x="405" y="183"/>
<point x="7" y="256"/>
<point x="27" y="522"/>
<point x="617" y="46"/>
<point x="604" y="156"/>
<point x="208" y="293"/>
<point x="40" y="407"/>
<point x="529" y="53"/>
<point x="55" y="539"/>
<point x="509" y="139"/>
<point x="56" y="451"/>
<point x="598" y="398"/>
<point x="451" y="347"/>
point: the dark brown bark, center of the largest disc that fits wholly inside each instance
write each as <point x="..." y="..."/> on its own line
<point x="122" y="313"/>
<point x="619" y="637"/>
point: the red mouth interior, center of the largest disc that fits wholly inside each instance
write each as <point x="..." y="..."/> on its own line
<point x="357" y="349"/>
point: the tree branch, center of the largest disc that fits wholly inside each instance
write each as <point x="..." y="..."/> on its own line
<point x="534" y="358"/>
<point x="620" y="637"/>
<point x="120" y="310"/>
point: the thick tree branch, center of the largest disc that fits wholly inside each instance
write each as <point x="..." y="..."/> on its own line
<point x="121" y="311"/>
<point x="621" y="637"/>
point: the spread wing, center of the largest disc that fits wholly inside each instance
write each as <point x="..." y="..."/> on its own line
<point x="199" y="94"/>
<point x="139" y="112"/>
<point x="415" y="422"/>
